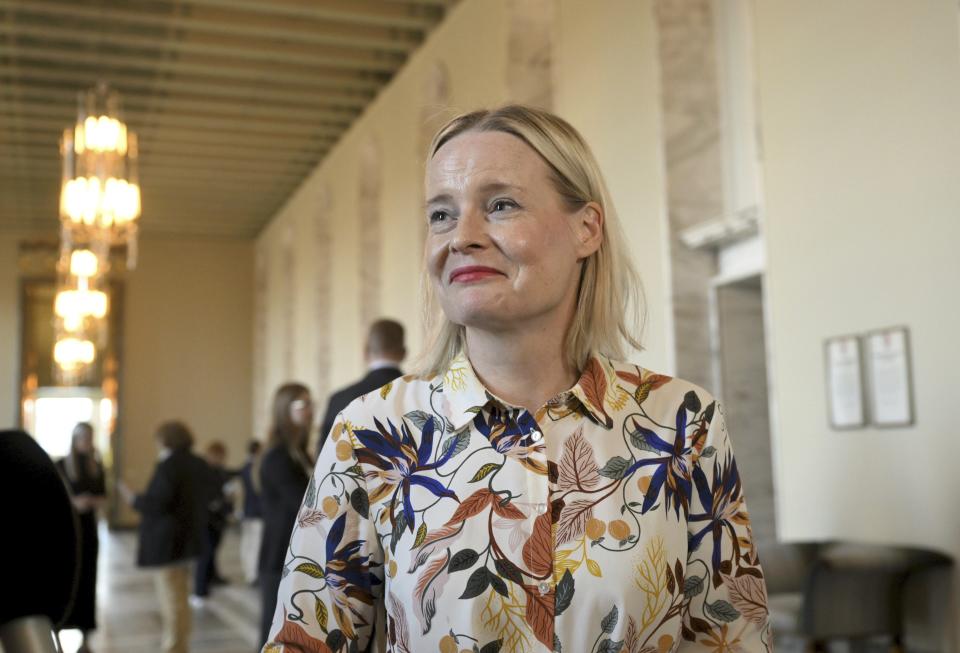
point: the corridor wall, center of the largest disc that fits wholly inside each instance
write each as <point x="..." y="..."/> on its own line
<point x="858" y="115"/>
<point x="307" y="323"/>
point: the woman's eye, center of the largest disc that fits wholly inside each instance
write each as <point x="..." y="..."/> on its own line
<point x="502" y="205"/>
<point x="437" y="217"/>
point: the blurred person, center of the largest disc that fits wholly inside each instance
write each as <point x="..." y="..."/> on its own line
<point x="382" y="354"/>
<point x="251" y="524"/>
<point x="285" y="471"/>
<point x="525" y="474"/>
<point x="83" y="472"/>
<point x="218" y="511"/>
<point x="173" y="511"/>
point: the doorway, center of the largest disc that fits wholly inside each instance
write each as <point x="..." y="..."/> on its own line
<point x="740" y="368"/>
<point x="49" y="407"/>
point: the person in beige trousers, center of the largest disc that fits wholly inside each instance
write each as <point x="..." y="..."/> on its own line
<point x="173" y="517"/>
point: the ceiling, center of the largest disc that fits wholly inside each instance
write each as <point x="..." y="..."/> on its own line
<point x="234" y="101"/>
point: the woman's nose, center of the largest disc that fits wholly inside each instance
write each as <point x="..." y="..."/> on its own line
<point x="470" y="232"/>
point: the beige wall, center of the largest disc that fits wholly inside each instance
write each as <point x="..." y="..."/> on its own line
<point x="859" y="106"/>
<point x="9" y="329"/>
<point x="186" y="344"/>
<point x="608" y="92"/>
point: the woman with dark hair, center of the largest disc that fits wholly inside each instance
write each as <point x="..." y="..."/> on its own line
<point x="84" y="476"/>
<point x="173" y="521"/>
<point x="284" y="475"/>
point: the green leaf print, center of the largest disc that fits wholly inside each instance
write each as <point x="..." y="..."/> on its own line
<point x="722" y="611"/>
<point x="610" y="621"/>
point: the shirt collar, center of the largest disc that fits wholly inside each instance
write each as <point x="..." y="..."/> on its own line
<point x="381" y="364"/>
<point x="467" y="395"/>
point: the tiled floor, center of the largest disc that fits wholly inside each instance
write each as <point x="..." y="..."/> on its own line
<point x="129" y="621"/>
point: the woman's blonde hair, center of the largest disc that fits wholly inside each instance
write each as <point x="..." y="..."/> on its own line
<point x="610" y="298"/>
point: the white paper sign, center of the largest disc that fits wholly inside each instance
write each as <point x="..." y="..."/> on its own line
<point x="889" y="364"/>
<point x="845" y="382"/>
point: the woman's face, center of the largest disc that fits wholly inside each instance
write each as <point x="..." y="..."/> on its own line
<point x="301" y="411"/>
<point x="503" y="249"/>
<point x="83" y="440"/>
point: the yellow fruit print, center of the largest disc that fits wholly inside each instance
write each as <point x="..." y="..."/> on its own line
<point x="330" y="507"/>
<point x="619" y="529"/>
<point x="448" y="644"/>
<point x="665" y="643"/>
<point x="643" y="484"/>
<point x="595" y="528"/>
<point x="344" y="450"/>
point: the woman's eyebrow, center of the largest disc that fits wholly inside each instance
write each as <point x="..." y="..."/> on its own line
<point x="487" y="188"/>
<point x="497" y="186"/>
<point x="442" y="197"/>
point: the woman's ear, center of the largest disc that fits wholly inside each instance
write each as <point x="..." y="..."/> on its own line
<point x="588" y="229"/>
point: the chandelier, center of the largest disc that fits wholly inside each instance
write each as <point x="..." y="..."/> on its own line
<point x="100" y="193"/>
<point x="80" y="311"/>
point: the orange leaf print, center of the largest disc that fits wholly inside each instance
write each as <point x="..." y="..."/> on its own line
<point x="749" y="596"/>
<point x="649" y="383"/>
<point x="573" y="520"/>
<point x="540" y="614"/>
<point x="538" y="550"/>
<point x="427" y="591"/>
<point x="471" y="506"/>
<point x="578" y="464"/>
<point x="444" y="536"/>
<point x="507" y="511"/>
<point x="594" y="384"/>
<point x="294" y="638"/>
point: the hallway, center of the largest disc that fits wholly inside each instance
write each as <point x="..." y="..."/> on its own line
<point x="128" y="618"/>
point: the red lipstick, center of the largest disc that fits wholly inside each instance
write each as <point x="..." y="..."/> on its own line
<point x="470" y="273"/>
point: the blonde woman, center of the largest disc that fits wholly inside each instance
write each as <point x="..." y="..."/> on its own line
<point x="527" y="491"/>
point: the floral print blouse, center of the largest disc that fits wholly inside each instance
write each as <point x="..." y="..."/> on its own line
<point x="441" y="518"/>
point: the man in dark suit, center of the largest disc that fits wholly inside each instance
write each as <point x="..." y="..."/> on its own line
<point x="383" y="354"/>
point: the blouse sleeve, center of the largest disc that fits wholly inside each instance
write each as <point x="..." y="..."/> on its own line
<point x="724" y="583"/>
<point x="333" y="574"/>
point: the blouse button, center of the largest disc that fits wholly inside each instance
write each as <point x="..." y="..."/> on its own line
<point x="544" y="587"/>
<point x="536" y="436"/>
<point x="541" y="508"/>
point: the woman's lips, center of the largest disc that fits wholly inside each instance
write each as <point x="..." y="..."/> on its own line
<point x="472" y="273"/>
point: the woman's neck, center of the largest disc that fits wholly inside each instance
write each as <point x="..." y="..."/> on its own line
<point x="524" y="368"/>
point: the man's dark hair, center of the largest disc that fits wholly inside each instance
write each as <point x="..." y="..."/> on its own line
<point x="386" y="339"/>
<point x="175" y="435"/>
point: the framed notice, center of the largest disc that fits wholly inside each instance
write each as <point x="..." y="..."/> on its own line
<point x="845" y="383"/>
<point x="888" y="369"/>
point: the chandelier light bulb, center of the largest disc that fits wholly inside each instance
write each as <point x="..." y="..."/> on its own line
<point x="71" y="353"/>
<point x="83" y="263"/>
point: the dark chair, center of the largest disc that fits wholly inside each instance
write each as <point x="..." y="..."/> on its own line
<point x="855" y="591"/>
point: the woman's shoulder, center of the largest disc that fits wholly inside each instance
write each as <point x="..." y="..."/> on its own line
<point x="655" y="390"/>
<point x="399" y="397"/>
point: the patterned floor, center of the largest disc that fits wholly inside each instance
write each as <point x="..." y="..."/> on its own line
<point x="127" y="608"/>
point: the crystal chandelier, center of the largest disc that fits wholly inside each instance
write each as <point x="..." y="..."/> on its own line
<point x="100" y="192"/>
